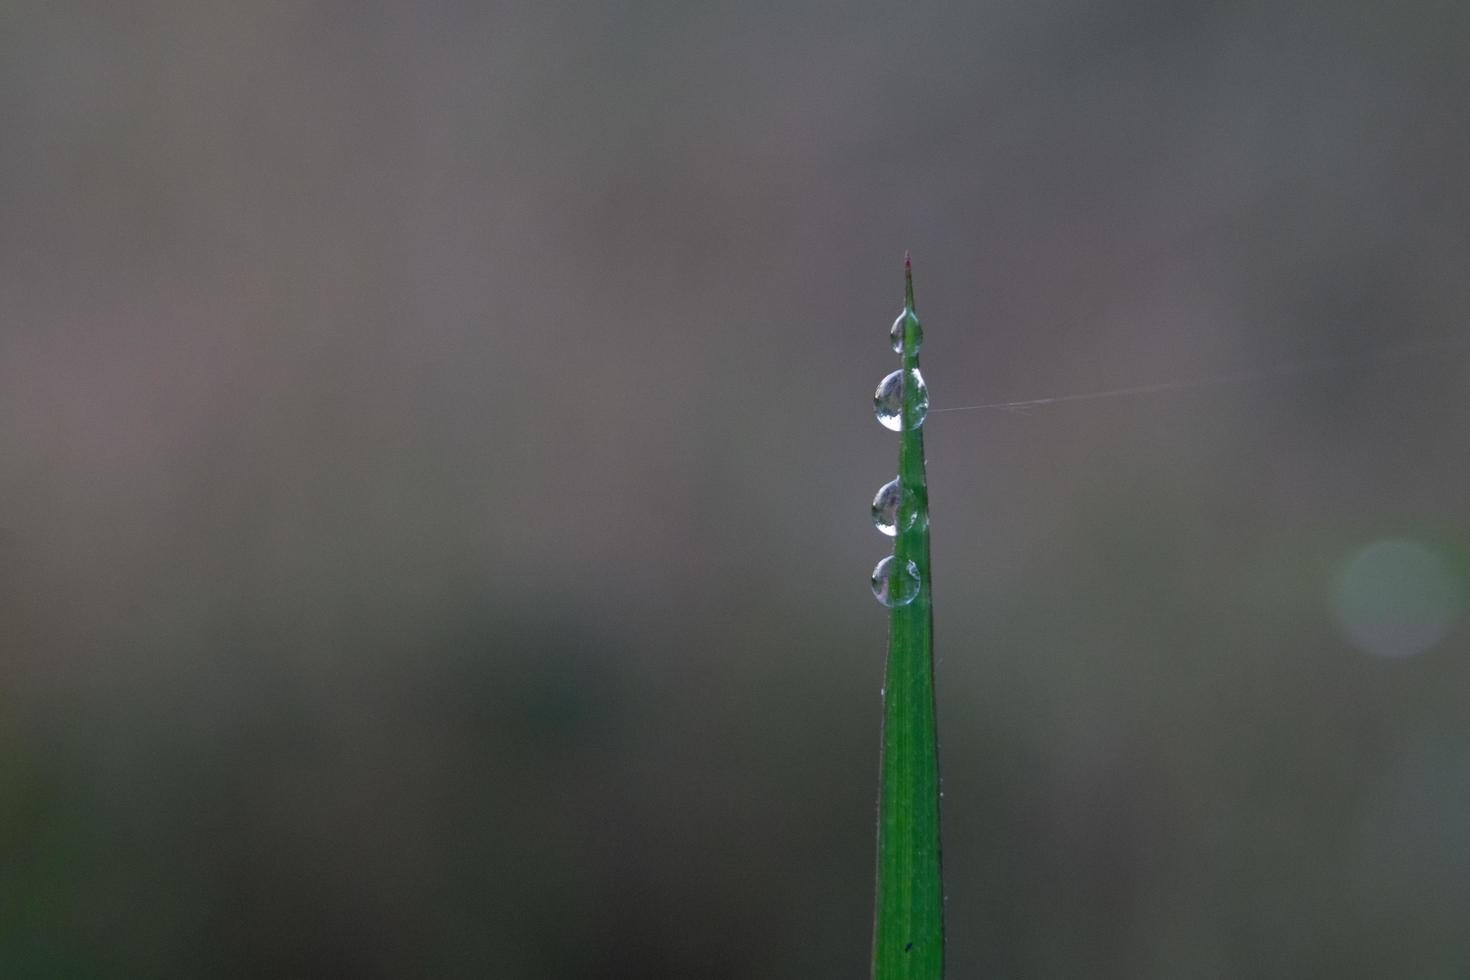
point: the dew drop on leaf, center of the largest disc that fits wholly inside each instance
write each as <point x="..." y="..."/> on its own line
<point x="888" y="400"/>
<point x="895" y="334"/>
<point x="895" y="584"/>
<point x="885" y="507"/>
<point x="894" y="510"/>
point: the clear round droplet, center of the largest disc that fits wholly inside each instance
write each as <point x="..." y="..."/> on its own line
<point x="895" y="584"/>
<point x="888" y="400"/>
<point x="894" y="510"/>
<point x="895" y="334"/>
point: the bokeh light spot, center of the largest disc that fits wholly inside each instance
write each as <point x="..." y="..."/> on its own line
<point x="1396" y="598"/>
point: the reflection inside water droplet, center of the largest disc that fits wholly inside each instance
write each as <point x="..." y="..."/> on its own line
<point x="894" y="510"/>
<point x="895" y="585"/>
<point x="888" y="400"/>
<point x="895" y="333"/>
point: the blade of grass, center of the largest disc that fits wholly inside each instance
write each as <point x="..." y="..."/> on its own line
<point x="908" y="929"/>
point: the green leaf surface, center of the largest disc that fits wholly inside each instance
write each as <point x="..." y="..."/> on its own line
<point x="908" y="931"/>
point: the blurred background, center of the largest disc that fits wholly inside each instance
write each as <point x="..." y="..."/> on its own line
<point x="436" y="448"/>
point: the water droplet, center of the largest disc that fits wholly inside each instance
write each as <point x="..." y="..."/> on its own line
<point x="894" y="510"/>
<point x="895" y="334"/>
<point x="888" y="400"/>
<point x="894" y="585"/>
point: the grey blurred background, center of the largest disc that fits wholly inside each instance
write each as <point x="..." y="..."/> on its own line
<point x="436" y="446"/>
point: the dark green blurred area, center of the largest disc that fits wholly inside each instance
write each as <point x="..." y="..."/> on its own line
<point x="435" y="451"/>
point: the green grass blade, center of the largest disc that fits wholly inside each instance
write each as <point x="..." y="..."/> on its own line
<point x="908" y="930"/>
